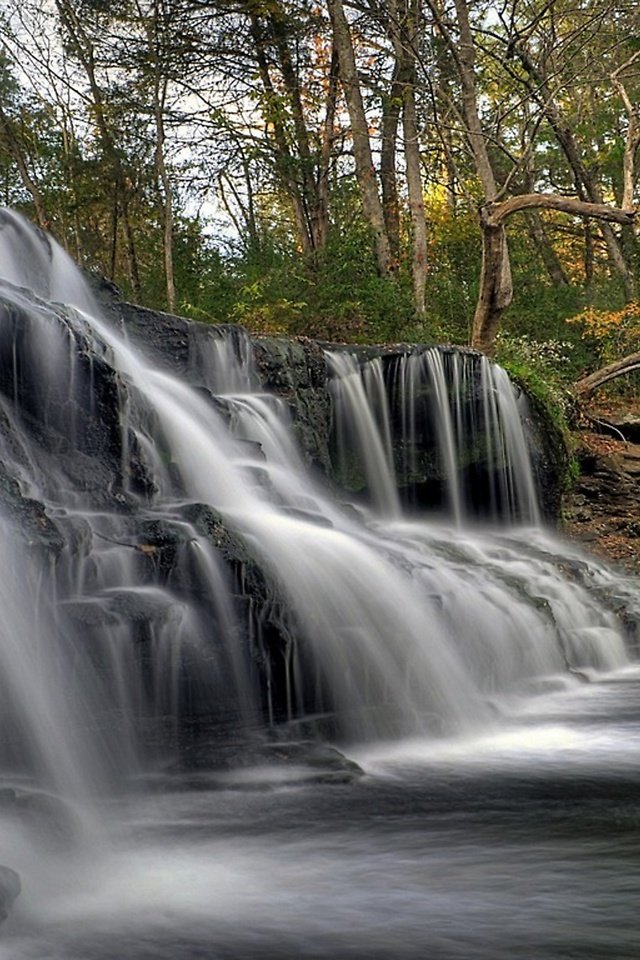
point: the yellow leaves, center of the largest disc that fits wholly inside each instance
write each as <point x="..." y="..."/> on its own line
<point x="617" y="331"/>
<point x="602" y="323"/>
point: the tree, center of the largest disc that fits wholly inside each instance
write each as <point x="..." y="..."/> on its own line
<point x="493" y="217"/>
<point x="365" y="170"/>
<point x="14" y="137"/>
<point x="303" y="156"/>
<point x="404" y="28"/>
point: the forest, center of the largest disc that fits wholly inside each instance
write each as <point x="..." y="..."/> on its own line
<point x="366" y="171"/>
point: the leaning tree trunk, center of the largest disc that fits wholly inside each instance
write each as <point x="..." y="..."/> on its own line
<point x="586" y="386"/>
<point x="496" y="288"/>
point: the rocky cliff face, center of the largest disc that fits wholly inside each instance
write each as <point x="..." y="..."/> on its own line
<point x="602" y="507"/>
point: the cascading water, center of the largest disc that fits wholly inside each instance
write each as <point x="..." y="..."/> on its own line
<point x="198" y="577"/>
<point x="455" y="421"/>
<point x="376" y="628"/>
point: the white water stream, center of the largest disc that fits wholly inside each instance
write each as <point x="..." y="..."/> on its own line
<point x="439" y="637"/>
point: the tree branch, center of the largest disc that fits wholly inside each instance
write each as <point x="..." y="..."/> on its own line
<point x="493" y="214"/>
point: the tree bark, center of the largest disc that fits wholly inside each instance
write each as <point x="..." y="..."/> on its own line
<point x="496" y="291"/>
<point x="326" y="152"/>
<point x="496" y="213"/>
<point x="403" y="27"/>
<point x="365" y="171"/>
<point x="15" y="149"/>
<point x="391" y="109"/>
<point x="496" y="287"/>
<point x="284" y="160"/>
<point x="155" y="40"/>
<point x="538" y="232"/>
<point x="496" y="284"/>
<point x="632" y="140"/>
<point x="589" y="258"/>
<point x="551" y="260"/>
<point x="585" y="183"/>
<point x="84" y="50"/>
<point x="587" y="385"/>
<point x="466" y="59"/>
<point x="290" y="76"/>
<point x="416" y="202"/>
<point x="167" y="210"/>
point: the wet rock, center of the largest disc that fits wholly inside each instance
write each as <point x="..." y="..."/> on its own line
<point x="602" y="508"/>
<point x="624" y="427"/>
<point x="10" y="888"/>
<point x="28" y="515"/>
<point x="163" y="336"/>
<point x="549" y="457"/>
<point x="296" y="371"/>
<point x="256" y="764"/>
<point x="51" y="817"/>
<point x="55" y="822"/>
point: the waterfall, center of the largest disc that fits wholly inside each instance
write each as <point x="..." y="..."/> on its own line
<point x="457" y="420"/>
<point x="203" y="572"/>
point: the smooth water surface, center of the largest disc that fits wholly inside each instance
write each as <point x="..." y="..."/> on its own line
<point x="523" y="842"/>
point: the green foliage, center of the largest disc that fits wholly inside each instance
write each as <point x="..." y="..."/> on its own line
<point x="543" y="369"/>
<point x="338" y="297"/>
<point x="455" y="251"/>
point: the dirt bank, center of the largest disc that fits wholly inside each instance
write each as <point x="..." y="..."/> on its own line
<point x="602" y="510"/>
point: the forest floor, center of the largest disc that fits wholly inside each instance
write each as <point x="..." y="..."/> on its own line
<point x="602" y="509"/>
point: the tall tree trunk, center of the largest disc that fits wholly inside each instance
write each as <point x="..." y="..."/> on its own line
<point x="284" y="161"/>
<point x="83" y="49"/>
<point x="467" y="67"/>
<point x="115" y="216"/>
<point x="391" y="109"/>
<point x="496" y="286"/>
<point x="365" y="170"/>
<point x="416" y="202"/>
<point x="326" y="152"/>
<point x="538" y="232"/>
<point x="167" y="211"/>
<point x="404" y="18"/>
<point x="585" y="182"/>
<point x="69" y="150"/>
<point x="132" y="255"/>
<point x="589" y="257"/>
<point x="291" y="78"/>
<point x="156" y="27"/>
<point x="412" y="16"/>
<point x="15" y="149"/>
<point x="551" y="260"/>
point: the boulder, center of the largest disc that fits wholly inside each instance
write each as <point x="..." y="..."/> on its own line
<point x="10" y="887"/>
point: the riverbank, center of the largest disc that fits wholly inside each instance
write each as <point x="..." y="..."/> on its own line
<point x="602" y="509"/>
